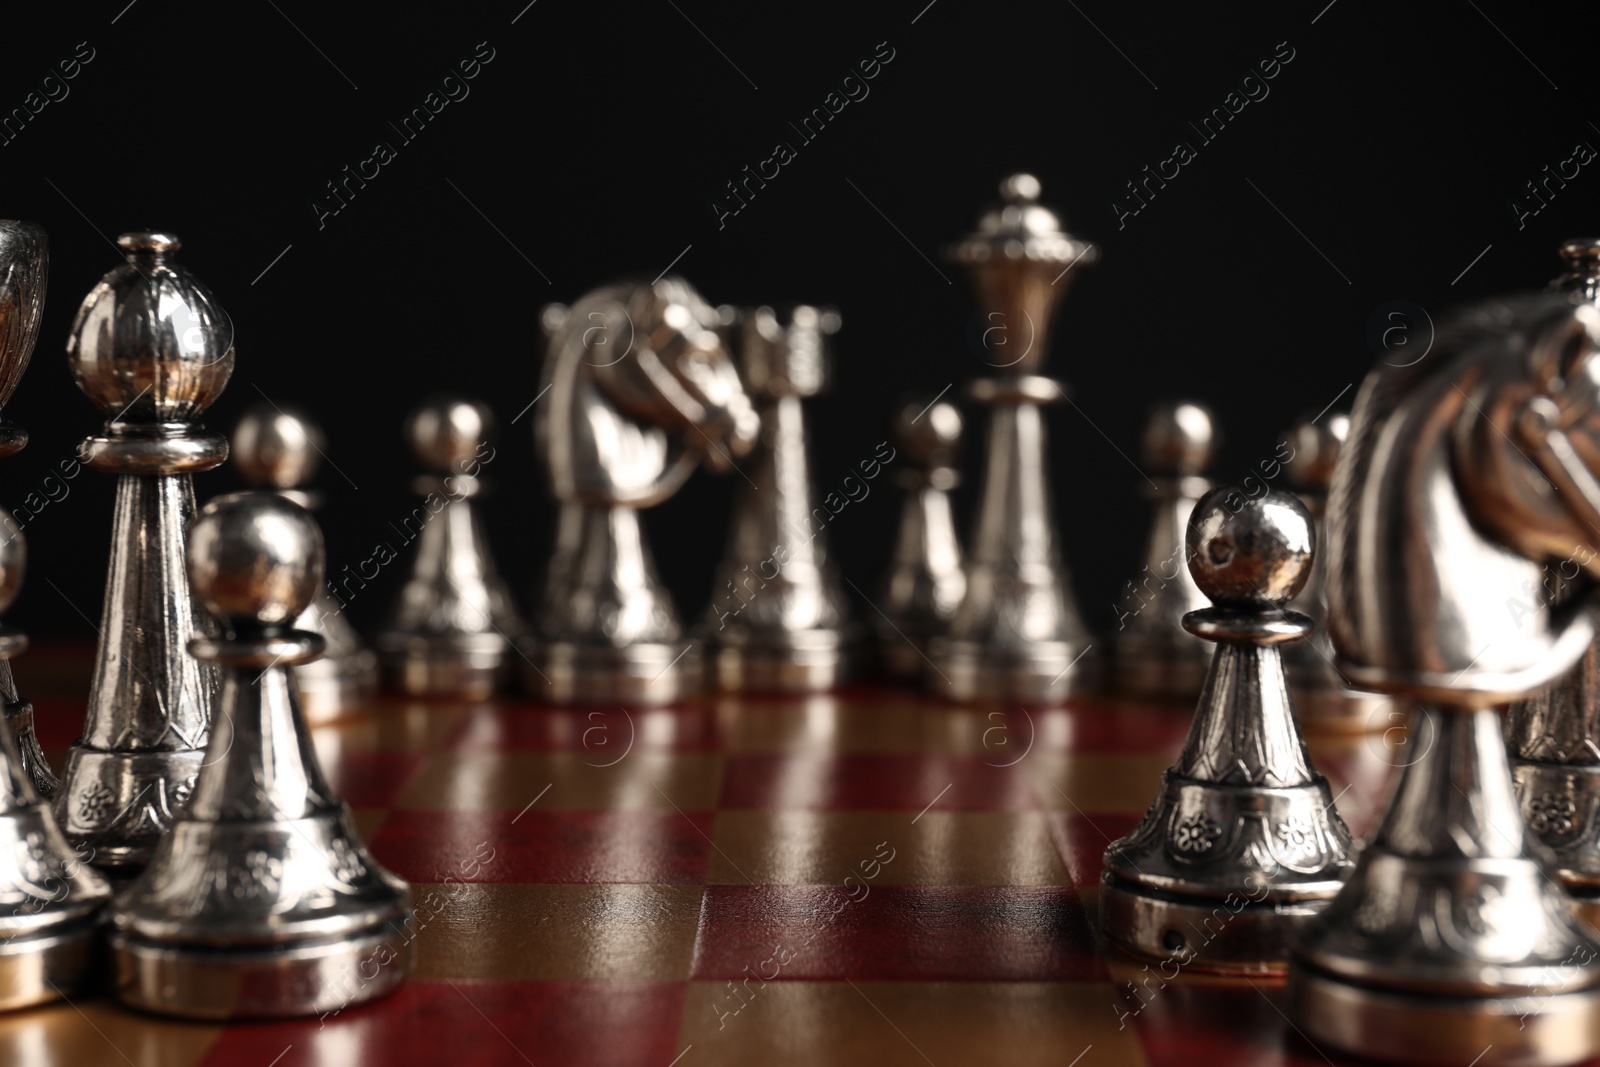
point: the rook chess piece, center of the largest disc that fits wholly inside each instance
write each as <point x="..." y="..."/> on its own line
<point x="453" y="624"/>
<point x="279" y="449"/>
<point x="1242" y="845"/>
<point x="926" y="580"/>
<point x="1156" y="656"/>
<point x="1017" y="634"/>
<point x="153" y="349"/>
<point x="261" y="900"/>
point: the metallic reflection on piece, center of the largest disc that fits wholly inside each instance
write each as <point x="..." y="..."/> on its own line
<point x="778" y="619"/>
<point x="638" y="392"/>
<point x="1322" y="698"/>
<point x="279" y="449"/>
<point x="24" y="273"/>
<point x="1017" y="634"/>
<point x="152" y="348"/>
<point x="451" y="630"/>
<point x="50" y="899"/>
<point x="926" y="580"/>
<point x="1442" y="511"/>
<point x="1242" y="846"/>
<point x="1156" y="656"/>
<point x="262" y="900"/>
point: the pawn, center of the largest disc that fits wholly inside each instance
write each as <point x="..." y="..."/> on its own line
<point x="1242" y="845"/>
<point x="451" y="630"/>
<point x="279" y="449"/>
<point x="926" y="581"/>
<point x="261" y="900"/>
<point x="1156" y="657"/>
<point x="50" y="899"/>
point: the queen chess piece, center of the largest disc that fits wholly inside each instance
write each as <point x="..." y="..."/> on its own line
<point x="261" y="900"/>
<point x="1452" y="939"/>
<point x="1017" y="635"/>
<point x="279" y="449"/>
<point x="152" y="349"/>
<point x="1156" y="656"/>
<point x="1242" y="845"/>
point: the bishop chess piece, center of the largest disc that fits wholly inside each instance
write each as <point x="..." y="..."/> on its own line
<point x="1242" y="845"/>
<point x="152" y="349"/>
<point x="1017" y="634"/>
<point x="1463" y="473"/>
<point x="261" y="900"/>
<point x="926" y="580"/>
<point x="451" y="630"/>
<point x="641" y="393"/>
<point x="50" y="899"/>
<point x="279" y="449"/>
<point x="778" y="619"/>
<point x="24" y="272"/>
<point x="1156" y="656"/>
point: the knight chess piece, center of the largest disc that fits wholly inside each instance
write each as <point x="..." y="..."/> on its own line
<point x="778" y="620"/>
<point x="926" y="581"/>
<point x="152" y="349"/>
<point x="280" y="449"/>
<point x="1017" y="634"/>
<point x="24" y="273"/>
<point x="453" y="624"/>
<point x="641" y="392"/>
<point x="1156" y="656"/>
<point x="261" y="900"/>
<point x="1242" y="845"/>
<point x="1463" y="473"/>
<point x="50" y="899"/>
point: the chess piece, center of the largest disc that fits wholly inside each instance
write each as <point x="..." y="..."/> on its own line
<point x="452" y="627"/>
<point x="1463" y="472"/>
<point x="153" y="349"/>
<point x="279" y="449"/>
<point x="24" y="271"/>
<point x="1156" y="656"/>
<point x="641" y="392"/>
<point x="1017" y="634"/>
<point x="926" y="581"/>
<point x="1554" y="735"/>
<point x="50" y="899"/>
<point x="261" y="900"/>
<point x="1323" y="699"/>
<point x="1242" y="845"/>
<point x="778" y="620"/>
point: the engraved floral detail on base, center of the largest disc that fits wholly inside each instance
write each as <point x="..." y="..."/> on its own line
<point x="1378" y="908"/>
<point x="1552" y="813"/>
<point x="257" y="876"/>
<point x="95" y="803"/>
<point x="1297" y="831"/>
<point x="345" y="861"/>
<point x="1196" y="833"/>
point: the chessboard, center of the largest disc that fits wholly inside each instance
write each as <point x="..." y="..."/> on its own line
<point x="861" y="876"/>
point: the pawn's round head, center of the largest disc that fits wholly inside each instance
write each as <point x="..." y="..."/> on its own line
<point x="13" y="560"/>
<point x="255" y="559"/>
<point x="276" y="448"/>
<point x="1250" y="552"/>
<point x="449" y="433"/>
<point x="1315" y="446"/>
<point x="929" y="431"/>
<point x="1180" y="437"/>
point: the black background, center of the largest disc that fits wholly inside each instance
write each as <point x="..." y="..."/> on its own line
<point x="594" y="142"/>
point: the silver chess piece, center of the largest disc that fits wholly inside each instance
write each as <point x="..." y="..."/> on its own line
<point x="641" y="393"/>
<point x="1463" y="473"/>
<point x="1242" y="845"/>
<point x="778" y="620"/>
<point x="1017" y="634"/>
<point x="153" y="349"/>
<point x="50" y="899"/>
<point x="926" y="580"/>
<point x="451" y="629"/>
<point x="261" y="900"/>
<point x="1156" y="656"/>
<point x="279" y="449"/>
<point x="24" y="273"/>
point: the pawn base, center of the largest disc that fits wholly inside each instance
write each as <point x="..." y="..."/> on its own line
<point x="1043" y="673"/>
<point x="48" y="964"/>
<point x="562" y="672"/>
<point x="304" y="978"/>
<point x="462" y="666"/>
<point x="1528" y="1031"/>
<point x="330" y="687"/>
<point x="115" y="805"/>
<point x="808" y="661"/>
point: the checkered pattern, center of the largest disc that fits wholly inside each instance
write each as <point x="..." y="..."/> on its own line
<point x="864" y="877"/>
